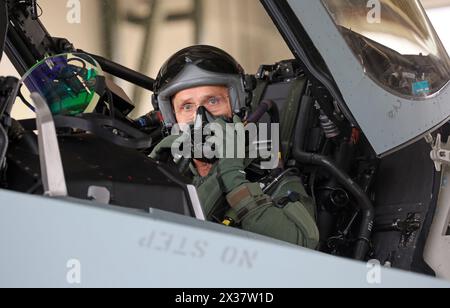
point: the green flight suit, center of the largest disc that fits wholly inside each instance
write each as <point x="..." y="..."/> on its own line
<point x="243" y="204"/>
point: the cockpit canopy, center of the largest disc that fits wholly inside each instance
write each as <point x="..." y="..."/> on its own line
<point x="395" y="43"/>
<point x="387" y="62"/>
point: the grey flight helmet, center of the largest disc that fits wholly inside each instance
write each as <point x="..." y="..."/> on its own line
<point x="198" y="66"/>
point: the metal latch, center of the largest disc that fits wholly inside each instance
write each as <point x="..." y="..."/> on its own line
<point x="440" y="153"/>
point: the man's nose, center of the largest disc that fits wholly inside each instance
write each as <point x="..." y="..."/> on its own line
<point x="199" y="106"/>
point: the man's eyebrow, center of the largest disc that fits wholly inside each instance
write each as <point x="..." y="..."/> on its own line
<point x="183" y="100"/>
<point x="210" y="95"/>
<point x="187" y="99"/>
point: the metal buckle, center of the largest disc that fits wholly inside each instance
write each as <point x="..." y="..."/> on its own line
<point x="440" y="153"/>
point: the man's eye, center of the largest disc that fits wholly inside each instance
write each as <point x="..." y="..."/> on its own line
<point x="214" y="101"/>
<point x="187" y="107"/>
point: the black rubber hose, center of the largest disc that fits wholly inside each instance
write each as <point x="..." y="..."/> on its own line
<point x="363" y="201"/>
<point x="264" y="107"/>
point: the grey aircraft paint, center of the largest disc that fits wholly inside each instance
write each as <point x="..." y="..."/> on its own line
<point x="388" y="121"/>
<point x="49" y="242"/>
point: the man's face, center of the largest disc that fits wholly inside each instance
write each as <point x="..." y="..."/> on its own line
<point x="214" y="98"/>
